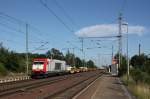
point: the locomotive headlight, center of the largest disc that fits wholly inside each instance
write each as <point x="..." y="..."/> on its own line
<point x="34" y="67"/>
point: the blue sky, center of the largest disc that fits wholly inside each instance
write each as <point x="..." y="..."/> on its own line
<point x="93" y="15"/>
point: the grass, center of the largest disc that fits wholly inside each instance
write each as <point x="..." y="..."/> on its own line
<point x="139" y="90"/>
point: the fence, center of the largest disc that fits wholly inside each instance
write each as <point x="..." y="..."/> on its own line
<point x="12" y="79"/>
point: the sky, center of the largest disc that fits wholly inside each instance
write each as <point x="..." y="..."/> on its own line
<point x="71" y="19"/>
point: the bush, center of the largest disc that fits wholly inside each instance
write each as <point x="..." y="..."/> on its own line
<point x="3" y="70"/>
<point x="136" y="75"/>
<point x="146" y="77"/>
<point x="139" y="76"/>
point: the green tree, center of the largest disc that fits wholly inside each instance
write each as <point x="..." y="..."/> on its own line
<point x="90" y="64"/>
<point x="123" y="66"/>
<point x="55" y="54"/>
<point x="3" y="70"/>
<point x="141" y="68"/>
<point x="147" y="66"/>
<point x="138" y="61"/>
<point x="78" y="62"/>
<point x="136" y="75"/>
<point x="14" y="62"/>
<point x="70" y="58"/>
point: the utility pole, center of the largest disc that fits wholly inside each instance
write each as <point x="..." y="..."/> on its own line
<point x="74" y="63"/>
<point x="112" y="53"/>
<point x="83" y="51"/>
<point x="1" y="44"/>
<point x="120" y="38"/>
<point x="27" y="57"/>
<point x="128" y="67"/>
<point x="139" y="49"/>
<point x="99" y="61"/>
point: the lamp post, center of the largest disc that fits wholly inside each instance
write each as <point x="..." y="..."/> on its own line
<point x="128" y="68"/>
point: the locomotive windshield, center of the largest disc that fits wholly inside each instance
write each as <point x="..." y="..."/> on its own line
<point x="38" y="63"/>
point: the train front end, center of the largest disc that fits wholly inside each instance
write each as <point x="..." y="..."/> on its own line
<point x="39" y="67"/>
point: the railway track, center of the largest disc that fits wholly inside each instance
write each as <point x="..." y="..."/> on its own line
<point x="69" y="92"/>
<point x="21" y="84"/>
<point x="8" y="89"/>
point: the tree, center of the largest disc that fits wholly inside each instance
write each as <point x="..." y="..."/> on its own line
<point x="55" y="54"/>
<point x="138" y="61"/>
<point x="141" y="68"/>
<point x="3" y="70"/>
<point x="147" y="66"/>
<point x="4" y="53"/>
<point x="15" y="62"/>
<point x="78" y="62"/>
<point x="90" y="64"/>
<point x="123" y="66"/>
<point x="70" y="58"/>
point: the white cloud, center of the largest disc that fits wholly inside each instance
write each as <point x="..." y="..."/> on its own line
<point x="108" y="30"/>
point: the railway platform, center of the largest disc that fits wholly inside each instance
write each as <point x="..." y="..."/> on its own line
<point x="105" y="87"/>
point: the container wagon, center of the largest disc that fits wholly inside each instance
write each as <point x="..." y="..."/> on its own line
<point x="45" y="67"/>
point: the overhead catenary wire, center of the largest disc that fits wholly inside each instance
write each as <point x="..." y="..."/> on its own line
<point x="11" y="41"/>
<point x="16" y="30"/>
<point x="11" y="28"/>
<point x="123" y="6"/>
<point x="40" y="46"/>
<point x="15" y="19"/>
<point x="10" y="19"/>
<point x="66" y="14"/>
<point x="18" y="21"/>
<point x="57" y="17"/>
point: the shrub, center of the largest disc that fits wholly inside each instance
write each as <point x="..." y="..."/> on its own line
<point x="3" y="70"/>
<point x="136" y="75"/>
<point x="139" y="76"/>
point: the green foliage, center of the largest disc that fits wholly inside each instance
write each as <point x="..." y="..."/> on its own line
<point x="138" y="61"/>
<point x="147" y="66"/>
<point x="55" y="54"/>
<point x="16" y="62"/>
<point x="78" y="62"/>
<point x="140" y="76"/>
<point x="136" y="75"/>
<point x="141" y="68"/>
<point x="3" y="70"/>
<point x="123" y="67"/>
<point x="11" y="61"/>
<point x="139" y="90"/>
<point x="90" y="64"/>
<point x="70" y="58"/>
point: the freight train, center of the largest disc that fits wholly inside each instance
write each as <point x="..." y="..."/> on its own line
<point x="44" y="67"/>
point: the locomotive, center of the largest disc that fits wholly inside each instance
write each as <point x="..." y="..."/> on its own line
<point x="45" y="67"/>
